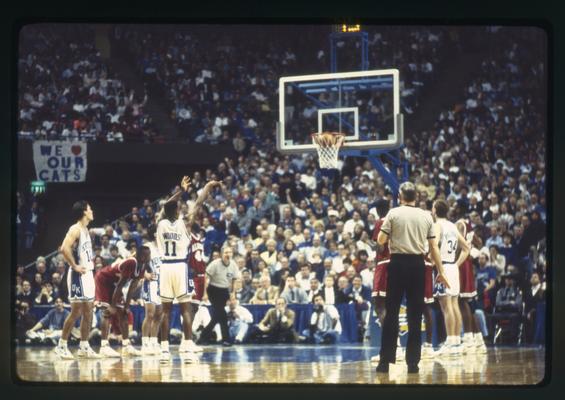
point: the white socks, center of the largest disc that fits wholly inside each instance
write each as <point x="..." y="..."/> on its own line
<point x="165" y="345"/>
<point x="84" y="344"/>
<point x="478" y="338"/>
<point x="62" y="343"/>
<point x="125" y="343"/>
<point x="468" y="337"/>
<point x="153" y="341"/>
<point x="104" y="343"/>
<point x="144" y="341"/>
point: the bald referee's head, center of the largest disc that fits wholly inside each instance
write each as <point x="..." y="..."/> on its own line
<point x="407" y="192"/>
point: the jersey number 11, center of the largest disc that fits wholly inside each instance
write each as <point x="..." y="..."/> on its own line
<point x="173" y="248"/>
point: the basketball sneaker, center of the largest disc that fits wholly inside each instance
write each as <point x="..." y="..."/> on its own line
<point x="194" y="348"/>
<point x="130" y="351"/>
<point x="454" y="350"/>
<point x="481" y="348"/>
<point x="87" y="352"/>
<point x="147" y="350"/>
<point x="427" y="351"/>
<point x="63" y="353"/>
<point x="108" y="352"/>
<point x="468" y="347"/>
<point x="442" y="350"/>
<point x="165" y="357"/>
<point x="183" y="348"/>
<point x="190" y="358"/>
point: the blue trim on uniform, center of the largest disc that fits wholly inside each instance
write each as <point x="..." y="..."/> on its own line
<point x="81" y="286"/>
<point x="145" y="295"/>
<point x="76" y="285"/>
<point x="177" y="260"/>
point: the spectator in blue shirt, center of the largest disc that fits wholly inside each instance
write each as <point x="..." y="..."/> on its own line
<point x="485" y="278"/>
<point x="494" y="238"/>
<point x="49" y="328"/>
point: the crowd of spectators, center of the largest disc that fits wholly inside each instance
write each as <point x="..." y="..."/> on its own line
<point x="66" y="90"/>
<point x="229" y="90"/>
<point x="297" y="232"/>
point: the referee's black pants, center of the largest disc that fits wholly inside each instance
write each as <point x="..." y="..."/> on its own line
<point x="218" y="298"/>
<point x="405" y="277"/>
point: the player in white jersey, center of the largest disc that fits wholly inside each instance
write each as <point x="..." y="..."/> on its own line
<point x="449" y="240"/>
<point x="175" y="280"/>
<point x="150" y="294"/>
<point x="80" y="282"/>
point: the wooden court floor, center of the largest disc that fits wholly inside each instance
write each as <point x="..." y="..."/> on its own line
<point x="287" y="364"/>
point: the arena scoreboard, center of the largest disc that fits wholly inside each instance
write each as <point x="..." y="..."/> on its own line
<point x="347" y="28"/>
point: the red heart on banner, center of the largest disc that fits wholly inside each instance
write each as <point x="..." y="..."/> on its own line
<point x="76" y="150"/>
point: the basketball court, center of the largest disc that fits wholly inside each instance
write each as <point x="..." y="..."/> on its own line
<point x="333" y="116"/>
<point x="345" y="364"/>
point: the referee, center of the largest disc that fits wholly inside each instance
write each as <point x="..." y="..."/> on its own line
<point x="407" y="229"/>
<point x="220" y="275"/>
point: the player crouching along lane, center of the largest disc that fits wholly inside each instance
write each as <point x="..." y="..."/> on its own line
<point x="175" y="278"/>
<point x="80" y="282"/>
<point x="110" y="282"/>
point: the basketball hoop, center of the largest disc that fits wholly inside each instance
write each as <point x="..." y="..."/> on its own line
<point x="328" y="145"/>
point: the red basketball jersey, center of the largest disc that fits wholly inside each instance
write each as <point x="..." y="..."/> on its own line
<point x="128" y="268"/>
<point x="385" y="254"/>
<point x="196" y="254"/>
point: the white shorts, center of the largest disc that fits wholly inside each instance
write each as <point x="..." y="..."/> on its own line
<point x="80" y="286"/>
<point x="452" y="276"/>
<point x="175" y="282"/>
<point x="150" y="292"/>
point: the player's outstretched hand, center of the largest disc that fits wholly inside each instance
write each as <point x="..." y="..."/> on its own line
<point x="214" y="183"/>
<point x="185" y="183"/>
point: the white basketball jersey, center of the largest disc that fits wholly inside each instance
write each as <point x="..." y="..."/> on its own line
<point x="172" y="240"/>
<point x="85" y="254"/>
<point x="155" y="262"/>
<point x="448" y="241"/>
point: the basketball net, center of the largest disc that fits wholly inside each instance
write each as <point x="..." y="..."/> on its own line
<point x="328" y="145"/>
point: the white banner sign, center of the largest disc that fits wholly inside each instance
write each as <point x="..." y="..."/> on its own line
<point x="59" y="161"/>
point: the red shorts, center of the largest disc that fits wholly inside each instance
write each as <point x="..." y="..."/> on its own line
<point x="429" y="283"/>
<point x="379" y="280"/>
<point x="103" y="293"/>
<point x="467" y="279"/>
<point x="198" y="288"/>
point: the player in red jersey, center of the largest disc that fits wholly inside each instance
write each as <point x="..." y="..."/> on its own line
<point x="383" y="259"/>
<point x="196" y="263"/>
<point x="472" y="337"/>
<point x="110" y="282"/>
